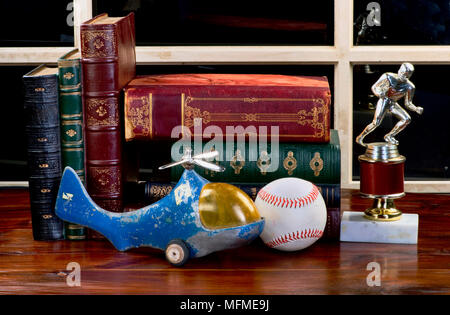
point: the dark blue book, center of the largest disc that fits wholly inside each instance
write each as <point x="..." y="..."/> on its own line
<point x="42" y="127"/>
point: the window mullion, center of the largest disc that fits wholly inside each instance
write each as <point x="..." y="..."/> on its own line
<point x="82" y="11"/>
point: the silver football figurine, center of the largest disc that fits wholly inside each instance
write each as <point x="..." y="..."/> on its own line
<point x="390" y="88"/>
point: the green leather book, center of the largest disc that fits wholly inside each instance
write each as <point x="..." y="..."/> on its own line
<point x="319" y="163"/>
<point x="71" y="111"/>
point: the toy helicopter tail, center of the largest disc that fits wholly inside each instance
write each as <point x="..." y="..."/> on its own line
<point x="74" y="205"/>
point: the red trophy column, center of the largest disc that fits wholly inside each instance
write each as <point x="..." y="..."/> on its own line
<point x="382" y="179"/>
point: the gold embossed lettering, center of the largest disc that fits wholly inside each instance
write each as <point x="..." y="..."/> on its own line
<point x="71" y="133"/>
<point x="316" y="164"/>
<point x="68" y="75"/>
<point x="138" y="115"/>
<point x="160" y="191"/>
<point x="106" y="178"/>
<point x="263" y="162"/>
<point x="98" y="43"/>
<point x="101" y="111"/>
<point x="315" y="117"/>
<point x="237" y="162"/>
<point x="290" y="163"/>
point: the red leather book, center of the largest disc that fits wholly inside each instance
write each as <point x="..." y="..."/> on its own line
<point x="108" y="61"/>
<point x="299" y="106"/>
<point x="332" y="230"/>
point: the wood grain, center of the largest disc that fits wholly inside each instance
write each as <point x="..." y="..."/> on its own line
<point x="36" y="267"/>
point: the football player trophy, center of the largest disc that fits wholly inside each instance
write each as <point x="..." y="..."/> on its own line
<point x="382" y="166"/>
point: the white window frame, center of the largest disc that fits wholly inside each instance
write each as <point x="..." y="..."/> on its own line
<point x="343" y="55"/>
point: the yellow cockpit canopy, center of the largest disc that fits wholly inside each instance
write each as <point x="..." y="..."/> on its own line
<point x="223" y="205"/>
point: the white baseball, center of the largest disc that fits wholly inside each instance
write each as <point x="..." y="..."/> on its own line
<point x="294" y="211"/>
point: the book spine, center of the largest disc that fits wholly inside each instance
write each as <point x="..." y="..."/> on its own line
<point x="101" y="99"/>
<point x="294" y="114"/>
<point x="72" y="140"/>
<point x="150" y="192"/>
<point x="248" y="163"/>
<point x="332" y="230"/>
<point x="42" y="128"/>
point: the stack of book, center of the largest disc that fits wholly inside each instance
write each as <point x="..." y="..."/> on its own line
<point x="82" y="127"/>
<point x="264" y="127"/>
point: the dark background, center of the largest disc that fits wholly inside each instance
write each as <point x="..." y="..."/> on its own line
<point x="426" y="141"/>
<point x="405" y="22"/>
<point x="231" y="22"/>
<point x="40" y="23"/>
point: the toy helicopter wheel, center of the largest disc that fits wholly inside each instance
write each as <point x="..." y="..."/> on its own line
<point x="177" y="253"/>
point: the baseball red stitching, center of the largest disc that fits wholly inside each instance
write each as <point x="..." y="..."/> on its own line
<point x="294" y="236"/>
<point x="284" y="202"/>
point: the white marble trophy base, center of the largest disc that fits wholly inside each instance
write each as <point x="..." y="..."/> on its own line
<point x="355" y="228"/>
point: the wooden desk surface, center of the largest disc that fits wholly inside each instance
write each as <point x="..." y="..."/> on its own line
<point x="36" y="267"/>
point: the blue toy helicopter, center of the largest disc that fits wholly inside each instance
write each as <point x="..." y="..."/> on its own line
<point x="197" y="218"/>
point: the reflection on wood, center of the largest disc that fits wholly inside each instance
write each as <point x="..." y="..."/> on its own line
<point x="32" y="267"/>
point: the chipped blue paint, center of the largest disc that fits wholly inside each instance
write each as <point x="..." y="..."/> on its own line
<point x="175" y="216"/>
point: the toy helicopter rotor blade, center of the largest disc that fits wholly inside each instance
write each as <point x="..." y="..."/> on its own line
<point x="210" y="166"/>
<point x="207" y="155"/>
<point x="172" y="164"/>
